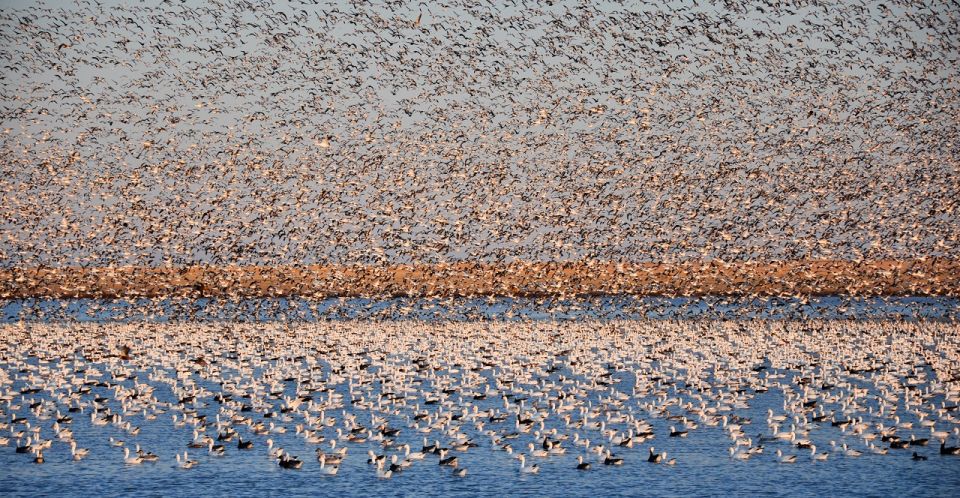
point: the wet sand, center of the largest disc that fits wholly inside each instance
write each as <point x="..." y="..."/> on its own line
<point x="928" y="277"/>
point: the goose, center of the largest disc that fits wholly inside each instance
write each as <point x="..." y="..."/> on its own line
<point x="774" y="418"/>
<point x="902" y="425"/>
<point x="581" y="465"/>
<point x="313" y="438"/>
<point x="675" y="433"/>
<point x="800" y="443"/>
<point x="335" y="457"/>
<point x="185" y="462"/>
<point x="98" y="421"/>
<point x="374" y="458"/>
<point x="537" y="452"/>
<point x="817" y="457"/>
<point x="850" y="452"/>
<point x="430" y="448"/>
<point x="877" y="450"/>
<point x="460" y="472"/>
<point x="244" y="445"/>
<point x="611" y="459"/>
<point x="39" y="456"/>
<point x="28" y="447"/>
<point x="289" y="462"/>
<point x="654" y="457"/>
<point x="766" y="439"/>
<point x="196" y="442"/>
<point x="533" y="469"/>
<point x="737" y="455"/>
<point x="948" y="450"/>
<point x="271" y="451"/>
<point x="451" y="461"/>
<point x="327" y="470"/>
<point x="941" y="435"/>
<point x="78" y="453"/>
<point x="381" y="473"/>
<point x="396" y="466"/>
<point x="918" y="457"/>
<point x="127" y="459"/>
<point x="781" y="458"/>
<point x="115" y="442"/>
<point x="419" y="455"/>
<point x="215" y="449"/>
<point x="146" y="456"/>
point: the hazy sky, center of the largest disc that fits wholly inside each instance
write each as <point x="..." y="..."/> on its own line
<point x="231" y="132"/>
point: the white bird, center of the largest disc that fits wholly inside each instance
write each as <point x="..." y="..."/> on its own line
<point x="533" y="469"/>
<point x="127" y="459"/>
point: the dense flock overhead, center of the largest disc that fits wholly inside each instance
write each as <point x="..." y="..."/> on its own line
<point x="418" y="397"/>
<point x="332" y="132"/>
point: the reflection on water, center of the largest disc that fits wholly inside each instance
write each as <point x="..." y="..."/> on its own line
<point x="604" y="308"/>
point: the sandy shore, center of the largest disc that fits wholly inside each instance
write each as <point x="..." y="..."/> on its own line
<point x="930" y="277"/>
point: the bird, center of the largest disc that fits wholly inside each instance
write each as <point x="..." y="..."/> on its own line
<point x="610" y="459"/>
<point x="381" y="473"/>
<point x="569" y="381"/>
<point x="781" y="458"/>
<point x="327" y="470"/>
<point x="348" y="147"/>
<point x="289" y="461"/>
<point x="819" y="457"/>
<point x="524" y="469"/>
<point x="185" y="462"/>
<point x="127" y="459"/>
<point x="78" y="453"/>
<point x="948" y="450"/>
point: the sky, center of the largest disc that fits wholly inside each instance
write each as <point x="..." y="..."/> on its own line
<point x="245" y="133"/>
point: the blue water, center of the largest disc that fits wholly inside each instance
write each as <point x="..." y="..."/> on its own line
<point x="463" y="309"/>
<point x="703" y="467"/>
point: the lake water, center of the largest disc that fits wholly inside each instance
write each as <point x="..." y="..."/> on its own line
<point x="703" y="467"/>
<point x="464" y="309"/>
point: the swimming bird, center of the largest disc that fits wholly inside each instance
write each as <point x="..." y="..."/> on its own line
<point x="524" y="469"/>
<point x="127" y="459"/>
<point x="78" y="453"/>
<point x="185" y="462"/>
<point x="817" y="457"/>
<point x="610" y="459"/>
<point x="781" y="458"/>
<point x="325" y="469"/>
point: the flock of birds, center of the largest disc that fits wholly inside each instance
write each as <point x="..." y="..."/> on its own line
<point x="238" y="132"/>
<point x="402" y="394"/>
<point x="621" y="307"/>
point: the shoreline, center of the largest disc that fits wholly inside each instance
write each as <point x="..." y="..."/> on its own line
<point x="928" y="277"/>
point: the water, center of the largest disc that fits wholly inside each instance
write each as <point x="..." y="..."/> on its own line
<point x="703" y="466"/>
<point x="468" y="309"/>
